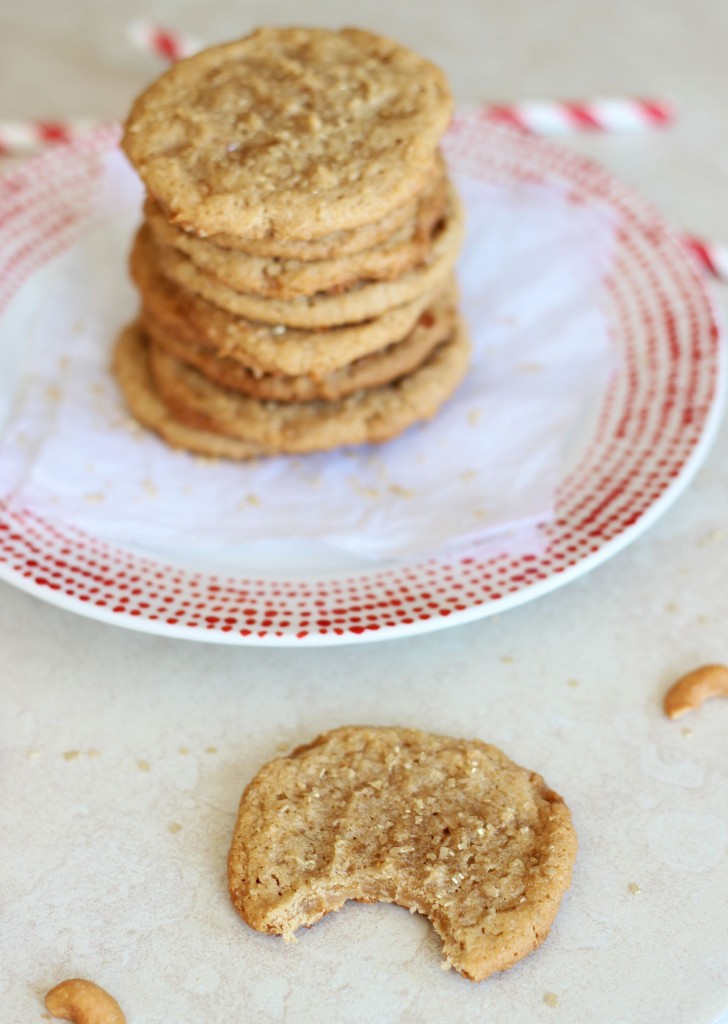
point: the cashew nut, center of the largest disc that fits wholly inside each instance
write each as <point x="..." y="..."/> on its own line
<point x="692" y="689"/>
<point x="83" y="1002"/>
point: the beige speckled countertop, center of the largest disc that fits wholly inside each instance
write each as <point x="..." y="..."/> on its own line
<point x="123" y="755"/>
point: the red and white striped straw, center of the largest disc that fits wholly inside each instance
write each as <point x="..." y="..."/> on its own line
<point x="19" y="138"/>
<point x="162" y="42"/>
<point x="562" y="117"/>
<point x="713" y="258"/>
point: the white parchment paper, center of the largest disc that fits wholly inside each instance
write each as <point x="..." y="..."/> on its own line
<point x="484" y="469"/>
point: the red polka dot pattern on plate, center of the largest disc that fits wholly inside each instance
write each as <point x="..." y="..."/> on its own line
<point x="657" y="415"/>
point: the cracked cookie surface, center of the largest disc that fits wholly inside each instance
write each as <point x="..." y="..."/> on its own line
<point x="295" y="133"/>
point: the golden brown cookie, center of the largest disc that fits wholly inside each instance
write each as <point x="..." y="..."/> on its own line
<point x="295" y="427"/>
<point x="289" y="132"/>
<point x="289" y="279"/>
<point x="363" y="301"/>
<point x="266" y="348"/>
<point x="448" y="828"/>
<point x="340" y="243"/>
<point x="131" y="369"/>
<point x="370" y="371"/>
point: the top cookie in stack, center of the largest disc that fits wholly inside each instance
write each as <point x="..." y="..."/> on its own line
<point x="295" y="261"/>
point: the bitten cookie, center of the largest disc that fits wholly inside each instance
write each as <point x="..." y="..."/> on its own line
<point x="449" y="828"/>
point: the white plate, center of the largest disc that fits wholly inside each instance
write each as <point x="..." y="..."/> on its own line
<point x="635" y="455"/>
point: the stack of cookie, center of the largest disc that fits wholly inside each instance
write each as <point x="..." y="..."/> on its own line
<point x="296" y="257"/>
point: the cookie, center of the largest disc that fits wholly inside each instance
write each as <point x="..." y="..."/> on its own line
<point x="131" y="369"/>
<point x="288" y="279"/>
<point x="295" y="133"/>
<point x="295" y="427"/>
<point x="448" y="828"/>
<point x="265" y="348"/>
<point x="371" y="371"/>
<point x="361" y="302"/>
<point x="340" y="243"/>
